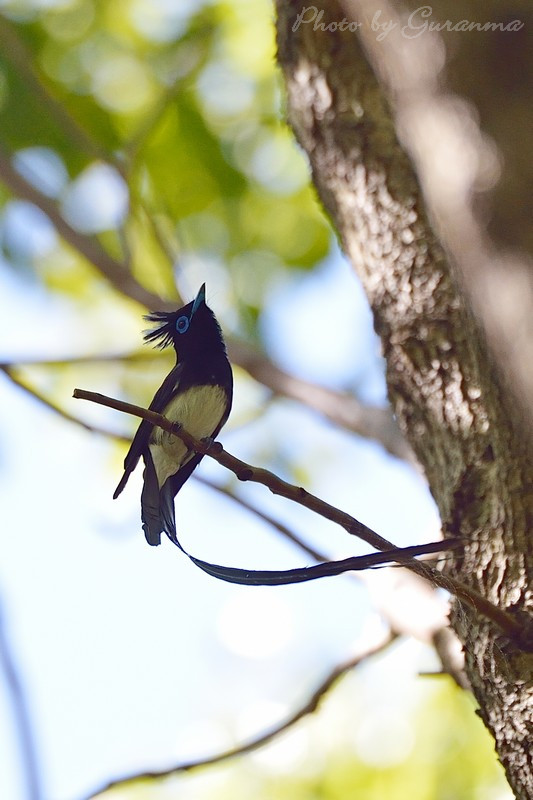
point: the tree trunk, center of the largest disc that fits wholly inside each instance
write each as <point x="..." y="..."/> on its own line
<point x="446" y="392"/>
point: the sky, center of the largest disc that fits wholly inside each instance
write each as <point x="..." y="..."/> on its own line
<point x="130" y="657"/>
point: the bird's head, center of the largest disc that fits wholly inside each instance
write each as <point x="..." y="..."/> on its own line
<point x="191" y="329"/>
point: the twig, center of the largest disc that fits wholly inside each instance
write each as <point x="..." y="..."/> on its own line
<point x="342" y="409"/>
<point x="450" y="652"/>
<point x="45" y="401"/>
<point x="165" y="247"/>
<point x="150" y="121"/>
<point x="22" y="716"/>
<point x="24" y="62"/>
<point x="309" y="707"/>
<point x="245" y="472"/>
<point x="274" y="523"/>
<point x="114" y="271"/>
<point x="97" y="358"/>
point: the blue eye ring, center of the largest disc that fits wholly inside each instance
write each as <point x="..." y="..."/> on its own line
<point x="182" y="324"/>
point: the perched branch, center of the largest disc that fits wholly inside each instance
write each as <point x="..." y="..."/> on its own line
<point x="142" y="355"/>
<point x="309" y="707"/>
<point x="245" y="472"/>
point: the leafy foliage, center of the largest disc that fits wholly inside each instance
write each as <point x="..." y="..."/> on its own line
<point x="184" y="106"/>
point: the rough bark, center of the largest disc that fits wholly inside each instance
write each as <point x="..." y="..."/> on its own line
<point x="445" y="391"/>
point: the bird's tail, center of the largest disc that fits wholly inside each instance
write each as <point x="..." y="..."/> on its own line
<point x="157" y="506"/>
<point x="166" y="509"/>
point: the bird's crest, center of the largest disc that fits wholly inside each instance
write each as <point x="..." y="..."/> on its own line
<point x="163" y="335"/>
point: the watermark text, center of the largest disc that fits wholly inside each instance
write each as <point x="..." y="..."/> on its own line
<point x="417" y="23"/>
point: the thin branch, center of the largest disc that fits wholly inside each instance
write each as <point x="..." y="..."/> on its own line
<point x="451" y="654"/>
<point x="516" y="631"/>
<point x="151" y="119"/>
<point x="309" y="707"/>
<point x="99" y="358"/>
<point x="23" y="62"/>
<point x="342" y="409"/>
<point x="274" y="523"/>
<point x="28" y="750"/>
<point x="280" y="527"/>
<point x="45" y="401"/>
<point x="114" y="271"/>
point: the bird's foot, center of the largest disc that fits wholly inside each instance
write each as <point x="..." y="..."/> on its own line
<point x="211" y="445"/>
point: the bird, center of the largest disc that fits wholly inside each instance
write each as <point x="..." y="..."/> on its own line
<point x="197" y="393"/>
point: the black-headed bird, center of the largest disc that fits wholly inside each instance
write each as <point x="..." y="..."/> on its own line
<point x="196" y="393"/>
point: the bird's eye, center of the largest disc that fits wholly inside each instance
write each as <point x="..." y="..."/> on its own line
<point x="182" y="323"/>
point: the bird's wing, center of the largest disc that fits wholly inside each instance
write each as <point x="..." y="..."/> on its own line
<point x="140" y="441"/>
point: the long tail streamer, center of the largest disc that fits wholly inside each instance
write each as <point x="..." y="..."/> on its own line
<point x="250" y="577"/>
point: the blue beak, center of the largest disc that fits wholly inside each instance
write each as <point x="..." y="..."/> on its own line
<point x="200" y="298"/>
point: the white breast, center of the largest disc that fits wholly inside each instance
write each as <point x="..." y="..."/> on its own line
<point x="200" y="410"/>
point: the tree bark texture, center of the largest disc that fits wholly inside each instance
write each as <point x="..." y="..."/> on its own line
<point x="444" y="388"/>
